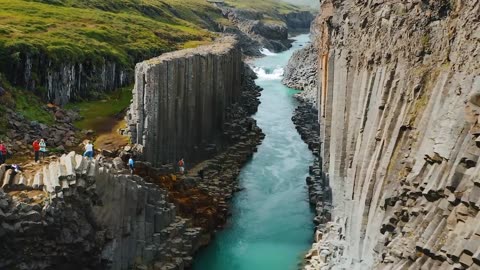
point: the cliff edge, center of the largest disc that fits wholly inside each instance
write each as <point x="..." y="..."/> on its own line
<point x="400" y="88"/>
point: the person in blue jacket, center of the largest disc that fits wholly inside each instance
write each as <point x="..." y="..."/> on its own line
<point x="131" y="164"/>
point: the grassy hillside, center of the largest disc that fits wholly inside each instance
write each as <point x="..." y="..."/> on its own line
<point x="125" y="31"/>
<point x="76" y="33"/>
<point x="266" y="6"/>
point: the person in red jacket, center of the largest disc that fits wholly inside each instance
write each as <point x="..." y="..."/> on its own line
<point x="3" y="153"/>
<point x="36" y="149"/>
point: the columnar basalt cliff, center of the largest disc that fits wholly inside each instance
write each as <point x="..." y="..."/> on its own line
<point x="75" y="213"/>
<point x="399" y="110"/>
<point x="62" y="82"/>
<point x="180" y="101"/>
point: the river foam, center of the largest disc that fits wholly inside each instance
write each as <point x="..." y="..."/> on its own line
<point x="267" y="52"/>
<point x="269" y="74"/>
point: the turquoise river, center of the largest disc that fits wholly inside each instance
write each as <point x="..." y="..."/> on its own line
<point x="271" y="227"/>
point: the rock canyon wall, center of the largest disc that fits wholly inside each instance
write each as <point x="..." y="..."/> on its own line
<point x="75" y="213"/>
<point x="399" y="106"/>
<point x="180" y="101"/>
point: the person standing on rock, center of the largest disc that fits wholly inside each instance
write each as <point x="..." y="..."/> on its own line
<point x="3" y="154"/>
<point x="36" y="150"/>
<point x="43" y="148"/>
<point x="88" y="150"/>
<point x="181" y="166"/>
<point x="131" y="164"/>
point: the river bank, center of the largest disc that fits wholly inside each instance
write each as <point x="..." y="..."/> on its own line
<point x="273" y="187"/>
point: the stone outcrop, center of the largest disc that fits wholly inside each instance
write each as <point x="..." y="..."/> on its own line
<point x="180" y="101"/>
<point x="299" y="21"/>
<point x="399" y="112"/>
<point x="301" y="73"/>
<point x="75" y="212"/>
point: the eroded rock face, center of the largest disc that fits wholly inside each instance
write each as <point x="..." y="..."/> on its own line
<point x="399" y="125"/>
<point x="180" y="101"/>
<point x="60" y="83"/>
<point x="75" y="213"/>
<point x="301" y="73"/>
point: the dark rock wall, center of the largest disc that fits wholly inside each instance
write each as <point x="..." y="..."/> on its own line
<point x="60" y="83"/>
<point x="299" y="20"/>
<point x="399" y="107"/>
<point x="180" y="101"/>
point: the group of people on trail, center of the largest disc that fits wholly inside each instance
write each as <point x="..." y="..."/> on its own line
<point x="40" y="151"/>
<point x="39" y="148"/>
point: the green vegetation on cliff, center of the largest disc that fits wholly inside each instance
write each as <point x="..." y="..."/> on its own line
<point x="96" y="114"/>
<point x="23" y="102"/>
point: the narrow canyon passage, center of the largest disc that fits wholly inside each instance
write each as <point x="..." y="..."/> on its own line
<point x="271" y="226"/>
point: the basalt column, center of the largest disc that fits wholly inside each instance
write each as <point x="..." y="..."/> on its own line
<point x="399" y="110"/>
<point x="180" y="101"/>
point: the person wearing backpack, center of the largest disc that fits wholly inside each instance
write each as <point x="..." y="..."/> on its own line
<point x="181" y="166"/>
<point x="36" y="150"/>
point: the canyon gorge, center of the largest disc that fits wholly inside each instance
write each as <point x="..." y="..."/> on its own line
<point x="355" y="146"/>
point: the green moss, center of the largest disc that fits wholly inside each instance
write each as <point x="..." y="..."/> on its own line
<point x="23" y="102"/>
<point x="31" y="107"/>
<point x="425" y="41"/>
<point x="96" y="113"/>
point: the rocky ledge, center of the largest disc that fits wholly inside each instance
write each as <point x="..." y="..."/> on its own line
<point x="305" y="119"/>
<point x="301" y="73"/>
<point x="75" y="212"/>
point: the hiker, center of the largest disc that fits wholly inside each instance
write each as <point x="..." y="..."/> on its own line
<point x="181" y="166"/>
<point x="3" y="155"/>
<point x="131" y="164"/>
<point x="201" y="173"/>
<point x="43" y="148"/>
<point x="88" y="150"/>
<point x="36" y="150"/>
